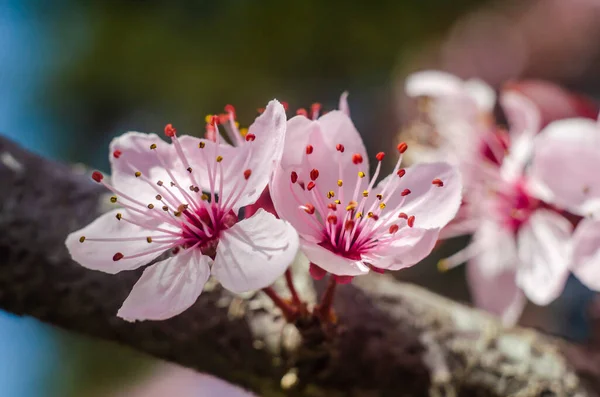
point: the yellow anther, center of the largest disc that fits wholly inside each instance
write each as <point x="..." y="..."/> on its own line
<point x="330" y="194"/>
<point x="165" y="208"/>
<point x="243" y="131"/>
<point x="340" y="182"/>
<point x="237" y="125"/>
<point x="149" y="239"/>
<point x="442" y="265"/>
<point x="201" y="145"/>
<point x="370" y="215"/>
<point x="366" y="193"/>
<point x="219" y="159"/>
<point x="379" y="196"/>
<point x="359" y="215"/>
<point x="138" y="174"/>
<point x="382" y="205"/>
<point x="208" y="118"/>
<point x="361" y="174"/>
<point x="150" y="206"/>
<point x="177" y="213"/>
<point x="119" y="216"/>
<point x="81" y="239"/>
<point x="113" y="199"/>
<point x="351" y="205"/>
<point x="338" y="202"/>
<point x="204" y="196"/>
<point x="153" y="146"/>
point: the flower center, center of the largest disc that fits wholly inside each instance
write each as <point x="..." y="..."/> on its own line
<point x="515" y="205"/>
<point x="202" y="230"/>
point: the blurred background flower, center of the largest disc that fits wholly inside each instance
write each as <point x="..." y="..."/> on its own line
<point x="75" y="74"/>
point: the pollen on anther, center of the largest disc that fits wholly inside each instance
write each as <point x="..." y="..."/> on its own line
<point x="382" y="205"/>
<point x="357" y="158"/>
<point x="97" y="176"/>
<point x="177" y="213"/>
<point x="149" y="239"/>
<point x="411" y="221"/>
<point x="81" y="239"/>
<point x="340" y="148"/>
<point x="247" y="174"/>
<point x="309" y="209"/>
<point x="380" y="156"/>
<point x="201" y="145"/>
<point x="402" y="146"/>
<point x="119" y="216"/>
<point x="361" y="174"/>
<point x="158" y="197"/>
<point x="340" y="182"/>
<point x="294" y="177"/>
<point x="219" y="159"/>
<point x="150" y="206"/>
<point x="314" y="174"/>
<point x="165" y="208"/>
<point x="159" y="183"/>
<point x="359" y="215"/>
<point x="309" y="149"/>
<point x="402" y="215"/>
<point x="118" y="256"/>
<point x="153" y="146"/>
<point x="138" y="174"/>
<point x="113" y="199"/>
<point x="204" y="197"/>
<point x="366" y="193"/>
<point x="394" y="228"/>
<point x="332" y="206"/>
<point x="338" y="202"/>
<point x="170" y="131"/>
<point x="250" y="137"/>
<point x="351" y="205"/>
<point x="310" y="186"/>
<point x="330" y="194"/>
<point x="117" y="153"/>
<point x="401" y="172"/>
<point x="438" y="182"/>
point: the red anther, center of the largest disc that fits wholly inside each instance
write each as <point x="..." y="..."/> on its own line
<point x="332" y="206"/>
<point x="230" y="109"/>
<point x="170" y="131"/>
<point x="309" y="149"/>
<point x="438" y="182"/>
<point x="402" y="215"/>
<point x="357" y="158"/>
<point x="285" y="105"/>
<point x="250" y="137"/>
<point x="340" y="148"/>
<point x="316" y="272"/>
<point x="394" y="228"/>
<point x="260" y="110"/>
<point x="309" y="208"/>
<point x="118" y="256"/>
<point x="117" y="153"/>
<point x="405" y="192"/>
<point x="315" y="107"/>
<point x="349" y="225"/>
<point x="402" y="146"/>
<point x="310" y="186"/>
<point x="214" y="120"/>
<point x="294" y="177"/>
<point x="342" y="279"/>
<point x="314" y="174"/>
<point x="247" y="173"/>
<point x="380" y="156"/>
<point x="375" y="217"/>
<point x="411" y="221"/>
<point x="332" y="219"/>
<point x="97" y="176"/>
<point x="401" y="172"/>
<point x="302" y="112"/>
<point x="223" y="118"/>
<point x="377" y="269"/>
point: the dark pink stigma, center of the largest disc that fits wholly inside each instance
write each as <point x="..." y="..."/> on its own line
<point x="357" y="158"/>
<point x="316" y="272"/>
<point x="315" y="108"/>
<point x="285" y="105"/>
<point x="314" y="174"/>
<point x="250" y="137"/>
<point x="339" y="147"/>
<point x="402" y="146"/>
<point x="260" y="110"/>
<point x="410" y="221"/>
<point x="302" y="112"/>
<point x="170" y="131"/>
<point x="294" y="177"/>
<point x="230" y="109"/>
<point x="117" y="153"/>
<point x="380" y="156"/>
<point x="247" y="174"/>
<point x="97" y="176"/>
<point x="118" y="256"/>
<point x="402" y="215"/>
<point x="223" y="118"/>
<point x="401" y="172"/>
<point x="310" y="186"/>
<point x="309" y="149"/>
<point x="309" y="209"/>
<point x="394" y="228"/>
<point x="349" y="225"/>
<point x="405" y="192"/>
<point x="332" y="219"/>
<point x="332" y="206"/>
<point x="437" y="182"/>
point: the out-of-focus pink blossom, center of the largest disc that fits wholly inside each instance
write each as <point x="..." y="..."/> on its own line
<point x="347" y="224"/>
<point x="185" y="197"/>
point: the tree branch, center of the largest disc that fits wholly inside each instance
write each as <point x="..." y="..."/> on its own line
<point x="391" y="339"/>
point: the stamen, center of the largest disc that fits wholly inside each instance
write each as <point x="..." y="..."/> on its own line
<point x="365" y="193"/>
<point x="340" y="148"/>
<point x="153" y="146"/>
<point x="394" y="228"/>
<point x="113" y="199"/>
<point x="340" y="182"/>
<point x="97" y="176"/>
<point x="309" y="209"/>
<point x="330" y="194"/>
<point x="118" y="256"/>
<point x="357" y="158"/>
<point x="314" y="174"/>
<point x="401" y="172"/>
<point x="247" y="174"/>
<point x="310" y="186"/>
<point x="405" y="192"/>
<point x="380" y="156"/>
<point x="361" y="174"/>
<point x="138" y="174"/>
<point x="302" y="112"/>
<point x="438" y="182"/>
<point x="81" y="239"/>
<point x="315" y="108"/>
<point x="332" y="206"/>
<point x="332" y="219"/>
<point x="309" y="149"/>
<point x="250" y="137"/>
<point x="411" y="221"/>
<point x="349" y="225"/>
<point x="170" y="131"/>
<point x="402" y="146"/>
<point x="117" y="153"/>
<point x="294" y="177"/>
<point x="402" y="215"/>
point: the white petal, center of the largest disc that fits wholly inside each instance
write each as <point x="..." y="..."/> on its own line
<point x="168" y="287"/>
<point x="98" y="255"/>
<point x="343" y="105"/>
<point x="482" y="94"/>
<point x="544" y="250"/>
<point x="586" y="253"/>
<point x="432" y="83"/>
<point x="253" y="253"/>
<point x="332" y="262"/>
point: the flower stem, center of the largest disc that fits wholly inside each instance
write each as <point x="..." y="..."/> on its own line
<point x="290" y="283"/>
<point x="288" y="311"/>
<point x="327" y="300"/>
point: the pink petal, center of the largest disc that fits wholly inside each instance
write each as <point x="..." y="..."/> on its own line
<point x="432" y="83"/>
<point x="253" y="253"/>
<point x="432" y="206"/>
<point x="410" y="246"/>
<point x="167" y="288"/>
<point x="332" y="262"/>
<point x="586" y="253"/>
<point x="98" y="255"/>
<point x="544" y="254"/>
<point x="343" y="105"/>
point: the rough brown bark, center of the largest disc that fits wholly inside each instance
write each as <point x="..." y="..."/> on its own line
<point x="392" y="338"/>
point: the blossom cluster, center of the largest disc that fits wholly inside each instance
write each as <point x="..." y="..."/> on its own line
<point x="531" y="198"/>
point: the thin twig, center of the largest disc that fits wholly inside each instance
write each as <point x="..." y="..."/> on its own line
<point x="290" y="283"/>
<point x="288" y="311"/>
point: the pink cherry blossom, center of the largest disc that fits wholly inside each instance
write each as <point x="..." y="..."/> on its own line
<point x="184" y="198"/>
<point x="347" y="223"/>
